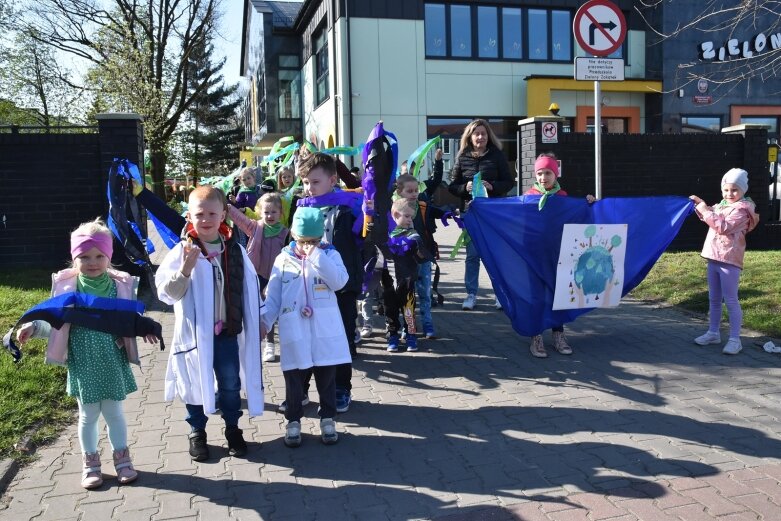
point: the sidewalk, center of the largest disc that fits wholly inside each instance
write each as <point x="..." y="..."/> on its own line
<point x="639" y="423"/>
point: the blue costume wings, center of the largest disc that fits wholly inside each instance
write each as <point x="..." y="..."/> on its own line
<point x="520" y="247"/>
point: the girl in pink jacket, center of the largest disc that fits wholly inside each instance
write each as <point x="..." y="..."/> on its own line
<point x="728" y="223"/>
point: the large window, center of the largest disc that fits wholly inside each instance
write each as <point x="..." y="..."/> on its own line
<point x="289" y="87"/>
<point x="700" y="124"/>
<point x="500" y="33"/>
<point x="770" y="121"/>
<point x="321" y="65"/>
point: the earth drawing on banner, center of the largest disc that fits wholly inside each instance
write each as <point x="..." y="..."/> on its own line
<point x="590" y="271"/>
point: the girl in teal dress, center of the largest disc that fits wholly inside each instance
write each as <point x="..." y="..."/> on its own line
<point x="99" y="374"/>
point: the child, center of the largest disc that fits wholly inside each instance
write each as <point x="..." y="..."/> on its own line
<point x="267" y="236"/>
<point x="301" y="293"/>
<point x="212" y="285"/>
<point x="318" y="176"/>
<point x="406" y="251"/>
<point x="546" y="171"/>
<point x="99" y="374"/>
<point x="424" y="221"/>
<point x="285" y="178"/>
<point x="728" y="223"/>
<point x="249" y="193"/>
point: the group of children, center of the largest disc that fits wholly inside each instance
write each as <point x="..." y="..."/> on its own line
<point x="226" y="298"/>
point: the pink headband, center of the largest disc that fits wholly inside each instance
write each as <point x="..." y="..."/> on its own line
<point x="81" y="242"/>
<point x="546" y="162"/>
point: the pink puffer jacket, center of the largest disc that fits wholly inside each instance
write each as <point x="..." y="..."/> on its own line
<point x="727" y="229"/>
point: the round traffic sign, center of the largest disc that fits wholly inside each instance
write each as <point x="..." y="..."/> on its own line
<point x="599" y="27"/>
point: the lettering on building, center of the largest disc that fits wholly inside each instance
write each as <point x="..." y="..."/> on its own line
<point x="734" y="48"/>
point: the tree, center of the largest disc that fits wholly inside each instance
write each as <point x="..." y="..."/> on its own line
<point x="729" y="62"/>
<point x="139" y="51"/>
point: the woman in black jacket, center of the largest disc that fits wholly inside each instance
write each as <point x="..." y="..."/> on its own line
<point x="480" y="151"/>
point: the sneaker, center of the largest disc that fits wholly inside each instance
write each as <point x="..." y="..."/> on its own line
<point x="430" y="334"/>
<point x="293" y="434"/>
<point x="708" y="338"/>
<point x="283" y="406"/>
<point x="199" y="450"/>
<point x="498" y="305"/>
<point x="469" y="302"/>
<point x="357" y="338"/>
<point x="560" y="343"/>
<point x="537" y="348"/>
<point x="343" y="400"/>
<point x="236" y="445"/>
<point x="366" y="331"/>
<point x="328" y="431"/>
<point x="412" y="343"/>
<point x="269" y="352"/>
<point x="732" y="347"/>
<point x="393" y="343"/>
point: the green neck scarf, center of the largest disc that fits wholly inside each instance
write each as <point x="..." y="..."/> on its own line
<point x="724" y="202"/>
<point x="272" y="230"/>
<point x="398" y="230"/>
<point x="545" y="193"/>
<point x="245" y="189"/>
<point x="99" y="286"/>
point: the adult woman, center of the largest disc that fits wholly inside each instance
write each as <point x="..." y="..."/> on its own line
<point x="480" y="151"/>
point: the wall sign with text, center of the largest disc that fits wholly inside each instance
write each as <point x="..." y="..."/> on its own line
<point x="734" y="48"/>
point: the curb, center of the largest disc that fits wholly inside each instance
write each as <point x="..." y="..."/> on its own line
<point x="8" y="469"/>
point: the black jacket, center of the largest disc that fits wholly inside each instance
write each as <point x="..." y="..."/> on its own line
<point x="493" y="167"/>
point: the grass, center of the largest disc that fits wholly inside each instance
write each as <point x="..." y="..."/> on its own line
<point x="32" y="394"/>
<point x="680" y="279"/>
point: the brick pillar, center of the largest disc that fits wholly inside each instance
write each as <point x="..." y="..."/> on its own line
<point x="530" y="146"/>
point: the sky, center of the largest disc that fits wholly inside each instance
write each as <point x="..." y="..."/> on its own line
<point x="228" y="44"/>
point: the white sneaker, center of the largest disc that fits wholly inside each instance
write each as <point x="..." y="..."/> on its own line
<point x="366" y="331"/>
<point x="732" y="347"/>
<point x="708" y="338"/>
<point x="268" y="352"/>
<point x="357" y="338"/>
<point x="328" y="431"/>
<point x="293" y="434"/>
<point x="498" y="305"/>
<point x="469" y="302"/>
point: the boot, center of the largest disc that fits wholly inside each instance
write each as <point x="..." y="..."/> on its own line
<point x="236" y="445"/>
<point x="560" y="343"/>
<point x="124" y="466"/>
<point x="91" y="476"/>
<point x="199" y="450"/>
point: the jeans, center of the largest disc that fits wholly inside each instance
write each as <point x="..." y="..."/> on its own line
<point x="723" y="284"/>
<point x="226" y="371"/>
<point x="423" y="288"/>
<point x="472" y="269"/>
<point x="88" y="425"/>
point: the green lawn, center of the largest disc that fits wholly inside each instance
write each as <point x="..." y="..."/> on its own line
<point x="31" y="393"/>
<point x="679" y="279"/>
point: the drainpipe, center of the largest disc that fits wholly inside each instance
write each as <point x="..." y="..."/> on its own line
<point x="336" y="84"/>
<point x="349" y="75"/>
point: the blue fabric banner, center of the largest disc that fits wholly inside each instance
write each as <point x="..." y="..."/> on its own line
<point x="520" y="246"/>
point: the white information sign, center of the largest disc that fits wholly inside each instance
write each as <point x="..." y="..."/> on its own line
<point x="599" y="69"/>
<point x="550" y="132"/>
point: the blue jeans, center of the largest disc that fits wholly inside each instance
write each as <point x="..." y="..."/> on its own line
<point x="226" y="370"/>
<point x="423" y="288"/>
<point x="472" y="269"/>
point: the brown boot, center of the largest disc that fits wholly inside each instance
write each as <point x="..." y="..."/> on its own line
<point x="91" y="476"/>
<point x="124" y="467"/>
<point x="537" y="348"/>
<point x="560" y="343"/>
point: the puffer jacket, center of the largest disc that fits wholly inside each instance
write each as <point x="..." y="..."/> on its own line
<point x="493" y="167"/>
<point x="727" y="229"/>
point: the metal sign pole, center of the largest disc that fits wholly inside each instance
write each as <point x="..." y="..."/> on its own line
<point x="597" y="140"/>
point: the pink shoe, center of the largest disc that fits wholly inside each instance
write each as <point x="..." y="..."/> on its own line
<point x="91" y="476"/>
<point x="124" y="467"/>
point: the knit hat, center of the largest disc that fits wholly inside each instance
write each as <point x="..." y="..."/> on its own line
<point x="307" y="222"/>
<point x="736" y="176"/>
<point x="547" y="162"/>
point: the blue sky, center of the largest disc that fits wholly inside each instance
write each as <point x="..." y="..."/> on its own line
<point x="229" y="45"/>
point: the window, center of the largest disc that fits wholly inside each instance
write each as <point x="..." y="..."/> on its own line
<point x="538" y="34"/>
<point x="289" y="87"/>
<point x="561" y="36"/>
<point x="770" y="121"/>
<point x="436" y="38"/>
<point x="512" y="46"/>
<point x="321" y="65"/>
<point x="700" y="124"/>
<point x="487" y="32"/>
<point x="609" y="125"/>
<point x="460" y="30"/>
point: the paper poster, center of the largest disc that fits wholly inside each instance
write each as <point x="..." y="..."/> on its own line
<point x="590" y="272"/>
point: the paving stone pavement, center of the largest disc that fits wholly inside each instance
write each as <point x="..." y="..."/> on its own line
<point x="639" y="423"/>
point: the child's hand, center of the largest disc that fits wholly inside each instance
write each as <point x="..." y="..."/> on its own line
<point x="135" y="188"/>
<point x="150" y="339"/>
<point x="25" y="332"/>
<point x="190" y="254"/>
<point x="438" y="155"/>
<point x="591" y="199"/>
<point x="696" y="199"/>
<point x="370" y="204"/>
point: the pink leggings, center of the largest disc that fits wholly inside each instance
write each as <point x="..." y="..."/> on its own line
<point x="723" y="284"/>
